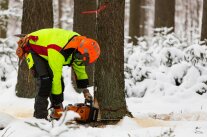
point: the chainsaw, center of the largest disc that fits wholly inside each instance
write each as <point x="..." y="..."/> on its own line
<point x="88" y="113"/>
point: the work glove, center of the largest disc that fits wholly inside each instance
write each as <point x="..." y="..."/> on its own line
<point x="87" y="95"/>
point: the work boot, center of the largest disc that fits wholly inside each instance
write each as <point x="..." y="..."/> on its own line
<point x="57" y="111"/>
<point x="40" y="107"/>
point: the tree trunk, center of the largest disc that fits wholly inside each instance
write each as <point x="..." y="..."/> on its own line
<point x="60" y="13"/>
<point x="3" y="21"/>
<point x="85" y="24"/>
<point x="37" y="14"/>
<point x="164" y="13"/>
<point x="204" y="21"/>
<point x="143" y="17"/>
<point x="134" y="20"/>
<point x="109" y="69"/>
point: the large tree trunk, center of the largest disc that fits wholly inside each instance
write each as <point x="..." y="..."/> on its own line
<point x="85" y="24"/>
<point x="164" y="13"/>
<point x="204" y="21"/>
<point x="3" y="22"/>
<point x="37" y="14"/>
<point x="134" y="20"/>
<point x="109" y="69"/>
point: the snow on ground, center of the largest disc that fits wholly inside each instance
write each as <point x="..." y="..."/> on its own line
<point x="154" y="117"/>
<point x="162" y="86"/>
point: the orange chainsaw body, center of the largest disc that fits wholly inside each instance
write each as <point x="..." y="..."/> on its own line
<point x="87" y="113"/>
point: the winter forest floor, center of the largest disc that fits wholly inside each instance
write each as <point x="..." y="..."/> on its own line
<point x="152" y="118"/>
<point x="165" y="83"/>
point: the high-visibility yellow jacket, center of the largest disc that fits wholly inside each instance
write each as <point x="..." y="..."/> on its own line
<point x="48" y="43"/>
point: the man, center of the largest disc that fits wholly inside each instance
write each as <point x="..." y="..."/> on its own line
<point x="46" y="52"/>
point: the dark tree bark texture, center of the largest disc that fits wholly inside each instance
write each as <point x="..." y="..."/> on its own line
<point x="204" y="21"/>
<point x="3" y="23"/>
<point x="135" y="20"/>
<point x="109" y="69"/>
<point x="164" y="13"/>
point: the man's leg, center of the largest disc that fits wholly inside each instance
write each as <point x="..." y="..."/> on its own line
<point x="41" y="100"/>
<point x="56" y="103"/>
<point x="58" y="99"/>
<point x="45" y="84"/>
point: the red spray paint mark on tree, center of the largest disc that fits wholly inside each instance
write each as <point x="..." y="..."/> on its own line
<point x="101" y="8"/>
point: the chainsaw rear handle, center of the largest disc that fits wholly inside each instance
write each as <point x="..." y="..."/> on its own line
<point x="86" y="103"/>
<point x="90" y="102"/>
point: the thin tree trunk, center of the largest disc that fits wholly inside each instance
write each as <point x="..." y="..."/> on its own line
<point x="37" y="14"/>
<point x="143" y="18"/>
<point x="204" y="21"/>
<point x="186" y="15"/>
<point x="3" y="22"/>
<point x="164" y="13"/>
<point x="60" y="13"/>
<point x="134" y="20"/>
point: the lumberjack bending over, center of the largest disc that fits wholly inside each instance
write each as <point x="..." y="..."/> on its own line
<point x="46" y="52"/>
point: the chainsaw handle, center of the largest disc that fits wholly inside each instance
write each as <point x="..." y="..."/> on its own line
<point x="90" y="102"/>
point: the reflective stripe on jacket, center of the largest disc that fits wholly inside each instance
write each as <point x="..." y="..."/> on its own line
<point x="48" y="43"/>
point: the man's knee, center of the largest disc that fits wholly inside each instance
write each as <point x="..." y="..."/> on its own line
<point x="45" y="86"/>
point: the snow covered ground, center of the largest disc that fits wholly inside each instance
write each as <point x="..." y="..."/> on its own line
<point x="153" y="117"/>
<point x="163" y="79"/>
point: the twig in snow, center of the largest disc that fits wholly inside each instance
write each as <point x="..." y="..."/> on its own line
<point x="6" y="132"/>
<point x="61" y="133"/>
<point x="37" y="126"/>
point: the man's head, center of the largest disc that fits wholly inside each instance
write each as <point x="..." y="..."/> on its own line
<point x="87" y="49"/>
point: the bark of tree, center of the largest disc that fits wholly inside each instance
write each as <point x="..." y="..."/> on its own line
<point x="164" y="13"/>
<point x="37" y="14"/>
<point x="135" y="20"/>
<point x="3" y="23"/>
<point x="85" y="24"/>
<point x="204" y="21"/>
<point x="109" y="69"/>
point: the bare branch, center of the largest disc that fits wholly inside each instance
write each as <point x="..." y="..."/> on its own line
<point x="37" y="126"/>
<point x="6" y="132"/>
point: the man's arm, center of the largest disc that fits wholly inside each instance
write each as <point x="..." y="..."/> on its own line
<point x="82" y="81"/>
<point x="81" y="76"/>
